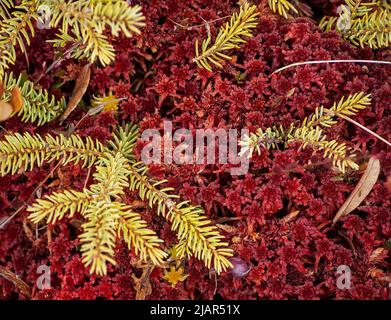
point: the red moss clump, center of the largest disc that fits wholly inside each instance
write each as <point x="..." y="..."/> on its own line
<point x="288" y="257"/>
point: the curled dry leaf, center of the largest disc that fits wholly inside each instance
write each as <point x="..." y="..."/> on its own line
<point x="82" y="82"/>
<point x="143" y="285"/>
<point x="361" y="191"/>
<point x="16" y="99"/>
<point x="2" y="88"/>
<point x="388" y="183"/>
<point x="6" y="110"/>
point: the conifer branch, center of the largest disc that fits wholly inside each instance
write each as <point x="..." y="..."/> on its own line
<point x="195" y="233"/>
<point x="98" y="238"/>
<point x="14" y="31"/>
<point x="143" y="240"/>
<point x="345" y="107"/>
<point x="119" y="16"/>
<point x="309" y="133"/>
<point x="333" y="150"/>
<point x="229" y="37"/>
<point x="363" y="23"/>
<point x="38" y="105"/>
<point x="26" y="151"/>
<point x="111" y="175"/>
<point x="59" y="205"/>
<point x="123" y="141"/>
<point x="270" y="138"/>
<point x="5" y="5"/>
<point x="282" y="7"/>
<point x="83" y="23"/>
<point x="106" y="218"/>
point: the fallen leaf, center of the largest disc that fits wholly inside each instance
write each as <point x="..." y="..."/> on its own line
<point x="375" y="273"/>
<point x="6" y="110"/>
<point x="293" y="214"/>
<point x="16" y="99"/>
<point x="378" y="255"/>
<point x="137" y="204"/>
<point x="290" y="93"/>
<point x="226" y="228"/>
<point x="388" y="183"/>
<point x="362" y="189"/>
<point x="2" y="88"/>
<point x="82" y="81"/>
<point x="143" y="285"/>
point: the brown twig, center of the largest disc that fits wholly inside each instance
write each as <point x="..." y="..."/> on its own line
<point x="7" y="220"/>
<point x="197" y="25"/>
<point x="19" y="283"/>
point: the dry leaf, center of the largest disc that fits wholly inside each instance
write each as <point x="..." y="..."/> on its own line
<point x="226" y="228"/>
<point x="16" y="99"/>
<point x="137" y="204"/>
<point x="293" y="214"/>
<point x="2" y="88"/>
<point x="378" y="255"/>
<point x="388" y="183"/>
<point x="376" y="273"/>
<point x="82" y="81"/>
<point x="6" y="110"/>
<point x="362" y="189"/>
<point x="143" y="285"/>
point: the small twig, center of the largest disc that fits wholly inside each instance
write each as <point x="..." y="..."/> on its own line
<point x="96" y="110"/>
<point x="57" y="62"/>
<point x="207" y="26"/>
<point x="330" y="61"/>
<point x="19" y="283"/>
<point x="215" y="290"/>
<point x="8" y="219"/>
<point x="198" y="25"/>
<point x="226" y="219"/>
<point x="365" y="129"/>
<point x="87" y="178"/>
<point x="351" y="245"/>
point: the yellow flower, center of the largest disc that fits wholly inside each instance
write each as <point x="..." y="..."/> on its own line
<point x="107" y="103"/>
<point x="173" y="276"/>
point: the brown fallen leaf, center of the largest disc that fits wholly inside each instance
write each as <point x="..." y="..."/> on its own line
<point x="137" y="204"/>
<point x="6" y="110"/>
<point x="362" y="189"/>
<point x="82" y="82"/>
<point x="143" y="285"/>
<point x="378" y="255"/>
<point x="2" y="88"/>
<point x="226" y="228"/>
<point x="293" y="214"/>
<point x="16" y="99"/>
<point x="388" y="183"/>
<point x="376" y="273"/>
<point x="19" y="283"/>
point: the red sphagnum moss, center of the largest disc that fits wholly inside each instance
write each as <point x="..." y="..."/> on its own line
<point x="293" y="258"/>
